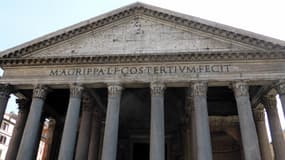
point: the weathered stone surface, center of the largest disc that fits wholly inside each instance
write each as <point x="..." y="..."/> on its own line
<point x="70" y="127"/>
<point x="137" y="35"/>
<point x="144" y="73"/>
<point x="110" y="141"/>
<point x="133" y="47"/>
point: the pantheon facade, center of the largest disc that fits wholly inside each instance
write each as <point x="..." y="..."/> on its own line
<point x="146" y="83"/>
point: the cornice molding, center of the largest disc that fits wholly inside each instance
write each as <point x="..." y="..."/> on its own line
<point x="174" y="57"/>
<point x="133" y="10"/>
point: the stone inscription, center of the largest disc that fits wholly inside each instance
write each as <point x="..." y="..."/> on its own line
<point x="140" y="70"/>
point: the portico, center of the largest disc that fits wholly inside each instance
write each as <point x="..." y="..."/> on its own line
<point x="146" y="83"/>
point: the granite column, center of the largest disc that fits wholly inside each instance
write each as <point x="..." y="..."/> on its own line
<point x="18" y="129"/>
<point x="112" y="122"/>
<point x="95" y="136"/>
<point x="84" y="130"/>
<point x="281" y="92"/>
<point x="5" y="91"/>
<point x="201" y="121"/>
<point x="247" y="126"/>
<point x="157" y="141"/>
<point x="259" y="117"/>
<point x="29" y="138"/>
<point x="187" y="123"/>
<point x="269" y="102"/>
<point x="70" y="127"/>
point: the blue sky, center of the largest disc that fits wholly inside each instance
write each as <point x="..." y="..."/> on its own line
<point x="22" y="21"/>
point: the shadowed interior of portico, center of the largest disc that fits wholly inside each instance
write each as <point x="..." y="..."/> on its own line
<point x="134" y="120"/>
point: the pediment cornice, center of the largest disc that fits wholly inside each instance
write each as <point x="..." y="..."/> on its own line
<point x="143" y="9"/>
<point x="145" y="58"/>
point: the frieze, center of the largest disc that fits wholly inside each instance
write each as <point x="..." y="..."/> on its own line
<point x="171" y="72"/>
<point x="139" y="70"/>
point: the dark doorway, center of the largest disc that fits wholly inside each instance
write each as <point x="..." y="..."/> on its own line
<point x="141" y="151"/>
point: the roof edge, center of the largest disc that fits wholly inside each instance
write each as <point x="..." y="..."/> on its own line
<point x="147" y="6"/>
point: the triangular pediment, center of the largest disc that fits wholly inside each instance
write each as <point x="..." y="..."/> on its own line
<point x="142" y="29"/>
<point x="139" y="35"/>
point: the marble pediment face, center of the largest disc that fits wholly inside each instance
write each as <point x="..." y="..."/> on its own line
<point x="139" y="35"/>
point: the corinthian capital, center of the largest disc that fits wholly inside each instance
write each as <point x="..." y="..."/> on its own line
<point x="281" y="88"/>
<point x="40" y="92"/>
<point x="157" y="89"/>
<point x="199" y="89"/>
<point x="258" y="114"/>
<point x="240" y="89"/>
<point x="269" y="102"/>
<point x="5" y="90"/>
<point x="115" y="89"/>
<point x="76" y="90"/>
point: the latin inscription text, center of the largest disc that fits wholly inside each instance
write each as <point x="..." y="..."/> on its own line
<point x="137" y="70"/>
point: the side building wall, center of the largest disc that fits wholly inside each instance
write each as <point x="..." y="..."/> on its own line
<point x="6" y="131"/>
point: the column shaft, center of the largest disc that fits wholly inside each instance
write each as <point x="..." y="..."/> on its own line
<point x="28" y="142"/>
<point x="39" y="137"/>
<point x="157" y="143"/>
<point x="201" y="121"/>
<point x="262" y="134"/>
<point x="84" y="130"/>
<point x="5" y="91"/>
<point x="70" y="127"/>
<point x="95" y="136"/>
<point x="112" y="123"/>
<point x="189" y="148"/>
<point x="278" y="141"/>
<point x="18" y="130"/>
<point x="247" y="126"/>
<point x="281" y="91"/>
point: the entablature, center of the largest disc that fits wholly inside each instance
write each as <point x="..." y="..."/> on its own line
<point x="145" y="58"/>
